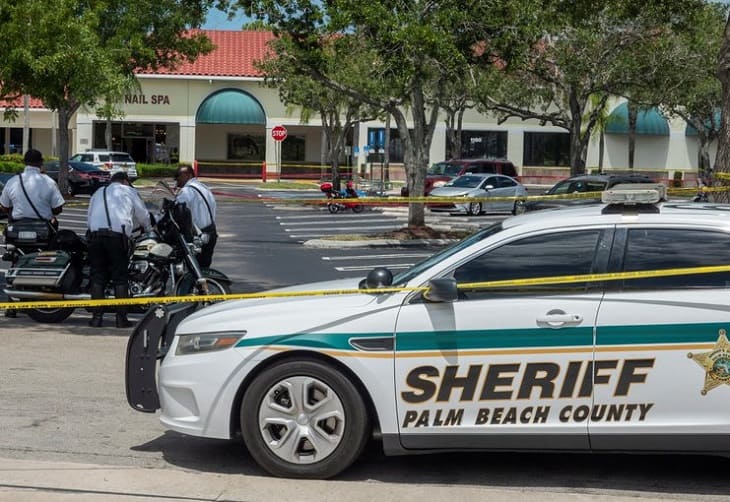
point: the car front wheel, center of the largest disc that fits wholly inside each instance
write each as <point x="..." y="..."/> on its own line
<point x="304" y="419"/>
<point x="475" y="208"/>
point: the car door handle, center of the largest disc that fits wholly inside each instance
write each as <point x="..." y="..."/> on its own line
<point x="558" y="319"/>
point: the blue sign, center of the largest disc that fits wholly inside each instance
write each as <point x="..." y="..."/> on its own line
<point x="356" y="149"/>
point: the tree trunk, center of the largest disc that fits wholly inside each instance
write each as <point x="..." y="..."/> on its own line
<point x="632" y="133"/>
<point x="108" y="134"/>
<point x="577" y="143"/>
<point x="601" y="150"/>
<point x="64" y="117"/>
<point x="722" y="160"/>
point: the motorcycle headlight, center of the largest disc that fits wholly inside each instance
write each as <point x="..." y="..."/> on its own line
<point x="206" y="342"/>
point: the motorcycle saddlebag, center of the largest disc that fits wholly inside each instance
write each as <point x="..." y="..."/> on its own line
<point x="28" y="233"/>
<point x="44" y="268"/>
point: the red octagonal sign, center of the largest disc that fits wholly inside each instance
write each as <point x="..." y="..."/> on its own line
<point x="278" y="133"/>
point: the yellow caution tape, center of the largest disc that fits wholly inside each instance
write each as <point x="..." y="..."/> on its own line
<point x="540" y="281"/>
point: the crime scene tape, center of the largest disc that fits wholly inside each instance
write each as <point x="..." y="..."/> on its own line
<point x="384" y="201"/>
<point x="540" y="281"/>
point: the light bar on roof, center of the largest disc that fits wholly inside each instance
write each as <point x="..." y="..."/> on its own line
<point x="635" y="193"/>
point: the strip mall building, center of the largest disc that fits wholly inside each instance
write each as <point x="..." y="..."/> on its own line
<point x="216" y="112"/>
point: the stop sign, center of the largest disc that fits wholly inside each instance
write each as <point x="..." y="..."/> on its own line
<point x="278" y="133"/>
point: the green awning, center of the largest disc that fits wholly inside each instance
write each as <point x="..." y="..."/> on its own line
<point x="649" y="122"/>
<point x="717" y="119"/>
<point x="230" y="106"/>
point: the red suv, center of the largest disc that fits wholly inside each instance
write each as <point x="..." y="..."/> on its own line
<point x="442" y="172"/>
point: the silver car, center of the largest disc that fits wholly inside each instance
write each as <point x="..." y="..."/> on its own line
<point x="483" y="186"/>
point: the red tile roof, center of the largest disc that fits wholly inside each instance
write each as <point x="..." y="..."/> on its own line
<point x="18" y="103"/>
<point x="233" y="56"/>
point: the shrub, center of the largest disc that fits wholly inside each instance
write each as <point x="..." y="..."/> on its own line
<point x="156" y="170"/>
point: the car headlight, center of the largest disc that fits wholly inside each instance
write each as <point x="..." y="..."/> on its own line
<point x="206" y="342"/>
<point x="438" y="184"/>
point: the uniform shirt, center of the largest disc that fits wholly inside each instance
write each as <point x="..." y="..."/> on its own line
<point x="42" y="190"/>
<point x="194" y="201"/>
<point x="126" y="210"/>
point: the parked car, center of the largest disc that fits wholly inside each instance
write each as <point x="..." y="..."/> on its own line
<point x="109" y="161"/>
<point x="480" y="185"/>
<point x="82" y="176"/>
<point x="442" y="172"/>
<point x="582" y="184"/>
<point x="597" y="336"/>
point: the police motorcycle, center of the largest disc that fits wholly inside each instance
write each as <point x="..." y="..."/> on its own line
<point x="162" y="263"/>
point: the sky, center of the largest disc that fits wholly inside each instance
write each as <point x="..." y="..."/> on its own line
<point x="217" y="21"/>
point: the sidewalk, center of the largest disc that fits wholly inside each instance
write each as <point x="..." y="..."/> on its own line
<point x="39" y="481"/>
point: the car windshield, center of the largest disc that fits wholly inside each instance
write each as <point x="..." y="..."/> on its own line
<point x="418" y="268"/>
<point x="444" y="169"/>
<point x="573" y="186"/>
<point x="466" y="182"/>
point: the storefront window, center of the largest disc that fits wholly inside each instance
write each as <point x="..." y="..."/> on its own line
<point x="547" y="149"/>
<point x="246" y="147"/>
<point x="11" y="139"/>
<point x="483" y="144"/>
<point x="376" y="138"/>
<point x="146" y="142"/>
<point x="292" y="149"/>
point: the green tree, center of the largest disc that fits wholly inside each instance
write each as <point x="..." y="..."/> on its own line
<point x="588" y="54"/>
<point x="413" y="49"/>
<point x="71" y="53"/>
<point x="338" y="112"/>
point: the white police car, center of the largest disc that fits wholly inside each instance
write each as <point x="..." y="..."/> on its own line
<point x="613" y="356"/>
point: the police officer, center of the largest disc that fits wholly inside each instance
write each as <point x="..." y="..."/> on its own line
<point x="199" y="199"/>
<point x="31" y="195"/>
<point x="114" y="212"/>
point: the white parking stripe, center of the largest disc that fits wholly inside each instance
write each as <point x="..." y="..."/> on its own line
<point x="371" y="220"/>
<point x="375" y="256"/>
<point x="344" y="229"/>
<point x="370" y="267"/>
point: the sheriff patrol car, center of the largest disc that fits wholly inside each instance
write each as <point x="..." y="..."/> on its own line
<point x="599" y="329"/>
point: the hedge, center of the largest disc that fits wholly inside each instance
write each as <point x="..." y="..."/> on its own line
<point x="13" y="163"/>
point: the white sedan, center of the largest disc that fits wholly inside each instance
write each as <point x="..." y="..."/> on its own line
<point x="619" y="355"/>
<point x="485" y="187"/>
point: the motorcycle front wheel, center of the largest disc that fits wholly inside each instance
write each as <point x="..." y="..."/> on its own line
<point x="333" y="207"/>
<point x="214" y="288"/>
<point x="49" y="315"/>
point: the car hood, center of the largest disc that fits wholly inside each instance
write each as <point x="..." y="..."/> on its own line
<point x="450" y="191"/>
<point x="291" y="314"/>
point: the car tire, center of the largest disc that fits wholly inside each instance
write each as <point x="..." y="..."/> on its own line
<point x="475" y="208"/>
<point x="519" y="207"/>
<point x="277" y="429"/>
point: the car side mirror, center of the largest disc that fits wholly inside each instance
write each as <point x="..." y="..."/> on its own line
<point x="442" y="290"/>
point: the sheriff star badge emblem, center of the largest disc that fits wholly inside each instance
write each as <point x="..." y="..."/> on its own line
<point x="716" y="363"/>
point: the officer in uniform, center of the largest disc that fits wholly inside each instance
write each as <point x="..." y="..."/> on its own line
<point x="114" y="211"/>
<point x="31" y="195"/>
<point x="199" y="199"/>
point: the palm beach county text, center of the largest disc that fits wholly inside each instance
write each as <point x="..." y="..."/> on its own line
<point x="474" y="387"/>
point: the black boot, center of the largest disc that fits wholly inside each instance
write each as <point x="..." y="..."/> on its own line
<point x="122" y="321"/>
<point x="97" y="293"/>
